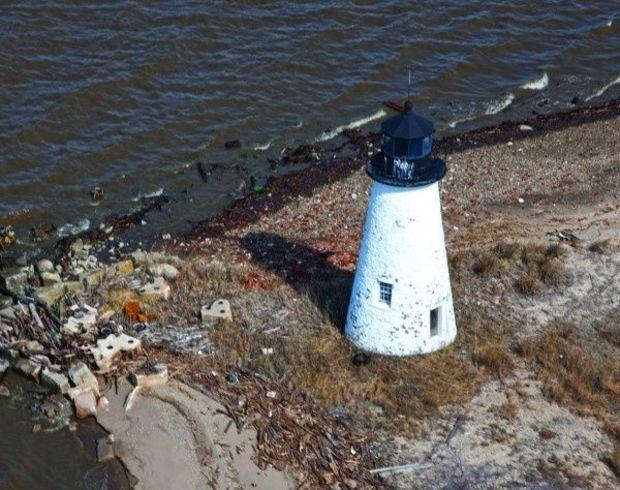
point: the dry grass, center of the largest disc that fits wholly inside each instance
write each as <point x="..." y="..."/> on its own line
<point x="601" y="246"/>
<point x="576" y="370"/>
<point x="615" y="459"/>
<point x="315" y="358"/>
<point x="532" y="266"/>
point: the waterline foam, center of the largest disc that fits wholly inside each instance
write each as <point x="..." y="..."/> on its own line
<point x="327" y="135"/>
<point x="537" y="84"/>
<point x="604" y="89"/>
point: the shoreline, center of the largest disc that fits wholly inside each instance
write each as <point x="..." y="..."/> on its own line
<point x="269" y="248"/>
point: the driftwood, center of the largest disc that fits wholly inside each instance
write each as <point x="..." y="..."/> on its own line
<point x="403" y="468"/>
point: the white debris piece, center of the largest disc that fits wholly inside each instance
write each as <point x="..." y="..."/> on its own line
<point x="219" y="310"/>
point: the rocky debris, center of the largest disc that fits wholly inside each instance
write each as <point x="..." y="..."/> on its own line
<point x="123" y="268"/>
<point x="58" y="382"/>
<point x="105" y="448"/>
<point x="108" y="348"/>
<point x="151" y="258"/>
<point x="84" y="318"/>
<point x="45" y="265"/>
<point x="166" y="271"/>
<point x="4" y="391"/>
<point x="29" y="368"/>
<point x="158" y="289"/>
<point x="219" y="310"/>
<point x="157" y="375"/>
<point x="85" y="403"/>
<point x="83" y="378"/>
<point x="50" y="278"/>
<point x="34" y="347"/>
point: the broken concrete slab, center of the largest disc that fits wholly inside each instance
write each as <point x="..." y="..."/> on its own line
<point x="84" y="318"/>
<point x="158" y="289"/>
<point x="29" y="368"/>
<point x="219" y="310"/>
<point x="81" y="376"/>
<point x="158" y="377"/>
<point x="55" y="381"/>
<point x="85" y="404"/>
<point x="107" y="349"/>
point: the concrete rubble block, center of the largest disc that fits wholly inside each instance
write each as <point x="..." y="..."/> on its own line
<point x="50" y="278"/>
<point x="83" y="318"/>
<point x="4" y="367"/>
<point x="159" y="376"/>
<point x="219" y="310"/>
<point x="55" y="381"/>
<point x="29" y="368"/>
<point x="166" y="271"/>
<point x="105" y="448"/>
<point x="85" y="404"/>
<point x="45" y="265"/>
<point x="107" y="349"/>
<point x="82" y="377"/>
<point x="158" y="289"/>
<point x="5" y="328"/>
<point x="123" y="268"/>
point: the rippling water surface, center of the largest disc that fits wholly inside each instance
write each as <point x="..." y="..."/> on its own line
<point x="126" y="95"/>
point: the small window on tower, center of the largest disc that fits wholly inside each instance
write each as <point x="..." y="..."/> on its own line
<point x="385" y="292"/>
<point x="434" y="322"/>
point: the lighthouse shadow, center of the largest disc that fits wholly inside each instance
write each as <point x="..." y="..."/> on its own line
<point x="306" y="269"/>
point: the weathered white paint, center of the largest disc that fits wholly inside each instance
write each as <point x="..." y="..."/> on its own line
<point x="403" y="244"/>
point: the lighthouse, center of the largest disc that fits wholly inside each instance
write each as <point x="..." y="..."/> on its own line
<point x="401" y="302"/>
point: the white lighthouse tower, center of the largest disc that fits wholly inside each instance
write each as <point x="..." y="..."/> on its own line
<point x="401" y="302"/>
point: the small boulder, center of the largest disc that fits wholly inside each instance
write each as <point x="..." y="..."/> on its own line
<point x="219" y="310"/>
<point x="45" y="265"/>
<point x="81" y="376"/>
<point x="167" y="271"/>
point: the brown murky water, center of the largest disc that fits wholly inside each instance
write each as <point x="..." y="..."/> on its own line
<point x="128" y="95"/>
<point x="51" y="456"/>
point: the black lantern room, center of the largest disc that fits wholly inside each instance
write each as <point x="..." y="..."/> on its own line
<point x="406" y="158"/>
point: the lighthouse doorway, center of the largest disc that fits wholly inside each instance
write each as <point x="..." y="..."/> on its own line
<point x="435" y="321"/>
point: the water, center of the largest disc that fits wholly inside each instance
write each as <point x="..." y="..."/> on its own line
<point x="127" y="95"/>
<point x="48" y="459"/>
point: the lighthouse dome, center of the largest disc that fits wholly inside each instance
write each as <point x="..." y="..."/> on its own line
<point x="406" y="158"/>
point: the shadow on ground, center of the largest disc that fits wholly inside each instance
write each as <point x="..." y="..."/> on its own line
<point x="307" y="270"/>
